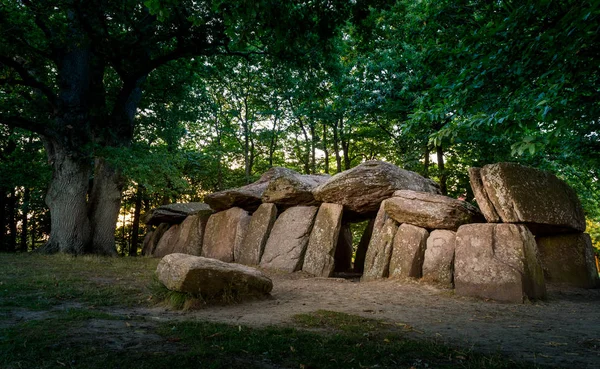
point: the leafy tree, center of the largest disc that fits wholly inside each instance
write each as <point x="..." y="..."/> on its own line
<point x="74" y="72"/>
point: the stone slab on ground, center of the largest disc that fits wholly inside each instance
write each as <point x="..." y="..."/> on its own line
<point x="288" y="240"/>
<point x="363" y="188"/>
<point x="223" y="233"/>
<point x="431" y="211"/>
<point x="253" y="245"/>
<point x="499" y="262"/>
<point x="377" y="259"/>
<point x="438" y="265"/>
<point x="211" y="278"/>
<point x="539" y="199"/>
<point x="569" y="259"/>
<point x="320" y="252"/>
<point x="408" y="251"/>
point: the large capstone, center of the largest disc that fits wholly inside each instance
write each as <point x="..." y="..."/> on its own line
<point x="499" y="262"/>
<point x="430" y="211"/>
<point x="286" y="246"/>
<point x="293" y="189"/>
<point x="253" y="245"/>
<point x="224" y="233"/>
<point x="247" y="197"/>
<point x="211" y="278"/>
<point x="323" y="241"/>
<point x="176" y="213"/>
<point x="363" y="188"/>
<point x="536" y="198"/>
<point x="569" y="259"/>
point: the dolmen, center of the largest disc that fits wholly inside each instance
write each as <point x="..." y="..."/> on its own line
<point x="527" y="231"/>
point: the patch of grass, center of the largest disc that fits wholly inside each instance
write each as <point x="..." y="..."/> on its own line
<point x="338" y="321"/>
<point x="38" y="282"/>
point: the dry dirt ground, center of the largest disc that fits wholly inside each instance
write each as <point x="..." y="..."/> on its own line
<point x="562" y="331"/>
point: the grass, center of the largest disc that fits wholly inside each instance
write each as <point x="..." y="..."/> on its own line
<point x="51" y="333"/>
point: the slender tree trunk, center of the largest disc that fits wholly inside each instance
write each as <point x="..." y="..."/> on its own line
<point x="33" y="232"/>
<point x="24" y="220"/>
<point x="12" y="221"/>
<point x="3" y="203"/>
<point x="104" y="206"/>
<point x="336" y="148"/>
<point x="325" y="150"/>
<point x="135" y="228"/>
<point x="345" y="146"/>
<point x="442" y="170"/>
<point x="66" y="198"/>
<point x="427" y="160"/>
<point x="273" y="143"/>
<point x="313" y="148"/>
<point x="306" y="151"/>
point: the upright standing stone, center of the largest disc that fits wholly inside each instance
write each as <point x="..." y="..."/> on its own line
<point x="343" y="250"/>
<point x="377" y="259"/>
<point x="184" y="238"/>
<point x="153" y="237"/>
<point x="253" y="245"/>
<point x="221" y="235"/>
<point x="438" y="265"/>
<point x="408" y="251"/>
<point x="320" y="253"/>
<point x="569" y="259"/>
<point x="287" y="242"/>
<point x="498" y="261"/>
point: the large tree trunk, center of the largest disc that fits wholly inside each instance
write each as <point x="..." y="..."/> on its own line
<point x="70" y="230"/>
<point x="104" y="206"/>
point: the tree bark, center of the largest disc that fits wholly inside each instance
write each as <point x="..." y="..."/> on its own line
<point x="442" y="170"/>
<point x="104" y="206"/>
<point x="66" y="198"/>
<point x="345" y="146"/>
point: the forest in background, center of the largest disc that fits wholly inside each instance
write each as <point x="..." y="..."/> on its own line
<point x="432" y="86"/>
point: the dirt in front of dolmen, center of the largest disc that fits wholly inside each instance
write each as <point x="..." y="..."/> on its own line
<point x="563" y="330"/>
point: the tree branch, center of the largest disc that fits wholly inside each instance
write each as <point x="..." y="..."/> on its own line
<point x="29" y="125"/>
<point x="28" y="79"/>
